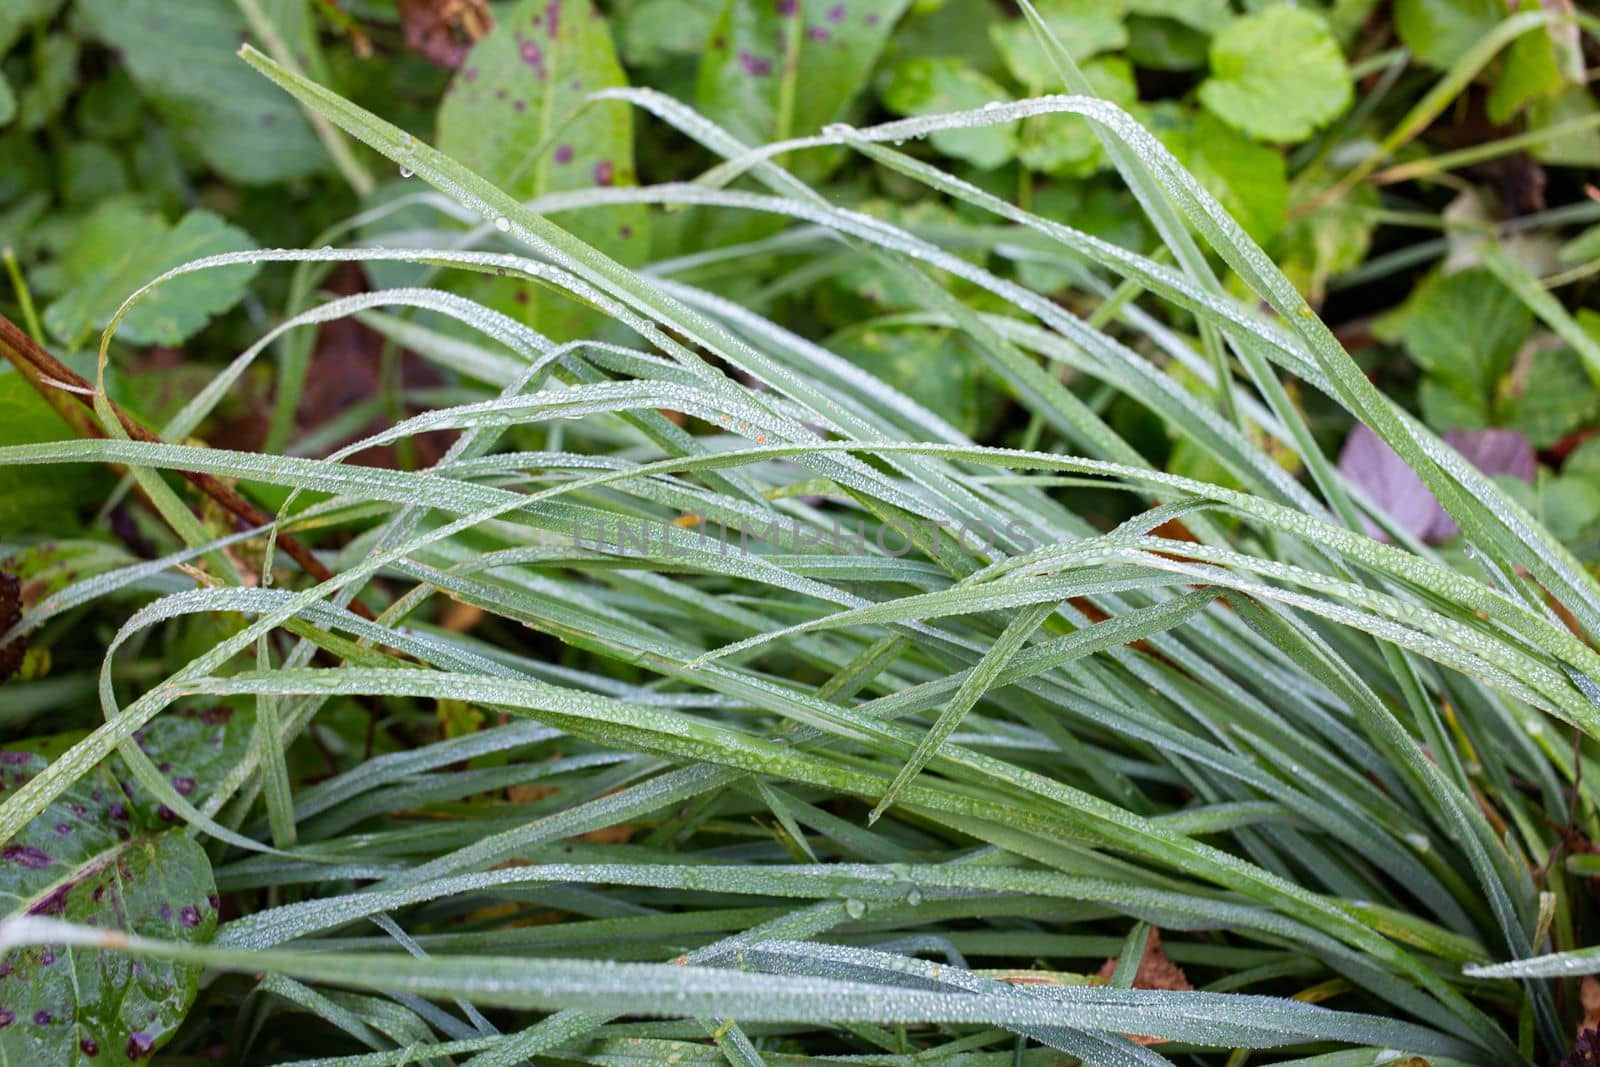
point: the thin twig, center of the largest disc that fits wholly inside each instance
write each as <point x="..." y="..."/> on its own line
<point x="56" y="382"/>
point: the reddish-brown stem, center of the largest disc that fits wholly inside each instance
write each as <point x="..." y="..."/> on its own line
<point x="40" y="368"/>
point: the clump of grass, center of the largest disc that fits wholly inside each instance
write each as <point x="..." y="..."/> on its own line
<point x="863" y="691"/>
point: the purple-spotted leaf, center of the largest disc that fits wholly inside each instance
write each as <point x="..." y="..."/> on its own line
<point x="194" y="750"/>
<point x="94" y="857"/>
<point x="775" y="69"/>
<point x="1379" y="472"/>
<point x="506" y="116"/>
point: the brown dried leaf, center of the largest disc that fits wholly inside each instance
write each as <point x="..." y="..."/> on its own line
<point x="443" y="31"/>
<point x="1156" y="971"/>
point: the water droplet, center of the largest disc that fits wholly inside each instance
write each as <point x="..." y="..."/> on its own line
<point x="407" y="142"/>
<point x="838" y="129"/>
<point x="406" y="172"/>
<point x="993" y="105"/>
<point x="854" y="908"/>
<point x="914" y="897"/>
<point x="502" y="224"/>
<point x="1472" y="550"/>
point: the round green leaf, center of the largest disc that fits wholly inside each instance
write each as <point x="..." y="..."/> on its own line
<point x="1277" y="75"/>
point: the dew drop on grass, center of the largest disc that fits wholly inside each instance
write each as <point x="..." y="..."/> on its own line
<point x="914" y="897"/>
<point x="854" y="908"/>
<point x="502" y="224"/>
<point x="406" y="172"/>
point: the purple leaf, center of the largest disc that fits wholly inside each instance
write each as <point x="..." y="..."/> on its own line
<point x="1379" y="472"/>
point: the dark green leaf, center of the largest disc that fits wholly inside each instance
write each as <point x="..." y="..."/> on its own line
<point x="92" y="858"/>
<point x="1208" y="16"/>
<point x="182" y="58"/>
<point x="1248" y="179"/>
<point x="55" y="75"/>
<point x="1067" y="145"/>
<point x="119" y="247"/>
<point x="1553" y="398"/>
<point x="1462" y="330"/>
<point x="930" y="86"/>
<point x="32" y="498"/>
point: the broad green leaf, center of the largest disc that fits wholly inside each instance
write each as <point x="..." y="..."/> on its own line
<point x="790" y="67"/>
<point x="507" y="115"/>
<point x="1439" y="32"/>
<point x="1085" y="27"/>
<point x="16" y="16"/>
<point x="1463" y="330"/>
<point x="1166" y="44"/>
<point x="931" y="86"/>
<point x="1529" y="71"/>
<point x="55" y="76"/>
<point x="956" y="31"/>
<point x="1551" y="397"/>
<point x="195" y="748"/>
<point x="118" y="248"/>
<point x="1208" y="16"/>
<point x="934" y="367"/>
<point x="651" y="32"/>
<point x="1277" y="75"/>
<point x="94" y="857"/>
<point x="182" y="58"/>
<point x="1066" y="145"/>
<point x="33" y="499"/>
<point x="1248" y="179"/>
<point x="1324" y="239"/>
<point x="91" y="174"/>
<point x="1577" y="149"/>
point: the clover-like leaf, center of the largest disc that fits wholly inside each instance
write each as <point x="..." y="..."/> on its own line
<point x="1066" y="145"/>
<point x="118" y="248"/>
<point x="1277" y="75"/>
<point x="1084" y="28"/>
<point x="928" y="86"/>
<point x="94" y="857"/>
